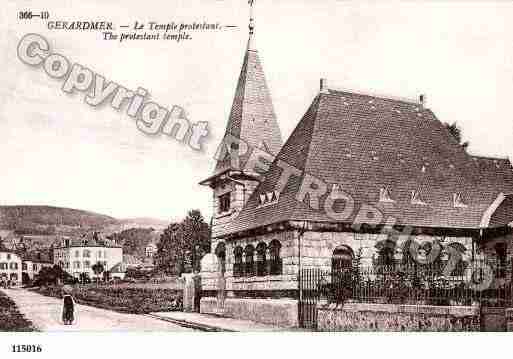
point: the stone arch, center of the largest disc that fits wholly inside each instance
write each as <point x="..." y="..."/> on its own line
<point x="220" y="252"/>
<point x="275" y="260"/>
<point x="341" y="259"/>
<point x="249" y="265"/>
<point x="238" y="266"/>
<point x="261" y="259"/>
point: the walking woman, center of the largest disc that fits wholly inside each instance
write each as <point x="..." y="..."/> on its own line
<point x="68" y="307"/>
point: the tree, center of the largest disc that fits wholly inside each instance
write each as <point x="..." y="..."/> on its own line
<point x="197" y="238"/>
<point x="455" y="131"/>
<point x="84" y="278"/>
<point x="53" y="275"/>
<point x="170" y="254"/>
<point x="182" y="245"/>
<point x="98" y="268"/>
<point x="134" y="240"/>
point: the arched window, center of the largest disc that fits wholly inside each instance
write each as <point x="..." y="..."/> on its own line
<point x="456" y="252"/>
<point x="238" y="270"/>
<point x="407" y="256"/>
<point x="501" y="252"/>
<point x="261" y="264"/>
<point x="386" y="252"/>
<point x="275" y="262"/>
<point x="249" y="269"/>
<point x="221" y="256"/>
<point x="342" y="259"/>
<point x="341" y="262"/>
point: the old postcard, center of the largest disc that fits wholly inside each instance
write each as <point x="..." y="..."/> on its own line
<point x="255" y="166"/>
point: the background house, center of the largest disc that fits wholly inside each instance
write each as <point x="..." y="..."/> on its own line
<point x="77" y="256"/>
<point x="10" y="266"/>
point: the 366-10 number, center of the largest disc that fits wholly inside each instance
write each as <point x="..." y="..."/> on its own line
<point x="32" y="348"/>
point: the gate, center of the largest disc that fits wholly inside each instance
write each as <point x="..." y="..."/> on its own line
<point x="312" y="284"/>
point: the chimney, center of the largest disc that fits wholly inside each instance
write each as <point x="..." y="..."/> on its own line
<point x="422" y="100"/>
<point x="324" y="86"/>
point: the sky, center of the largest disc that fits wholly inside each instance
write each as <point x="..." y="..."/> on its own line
<point x="57" y="150"/>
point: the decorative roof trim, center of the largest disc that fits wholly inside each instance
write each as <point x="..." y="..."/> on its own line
<point x="384" y="196"/>
<point x="268" y="198"/>
<point x="487" y="215"/>
<point x="457" y="202"/>
<point x="415" y="198"/>
<point x="322" y="226"/>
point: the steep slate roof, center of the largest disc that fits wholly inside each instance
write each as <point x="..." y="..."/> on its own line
<point x="4" y="249"/>
<point x="366" y="143"/>
<point x="38" y="257"/>
<point x="252" y="118"/>
<point x="88" y="240"/>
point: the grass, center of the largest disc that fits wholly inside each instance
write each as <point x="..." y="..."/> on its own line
<point x="124" y="298"/>
<point x="11" y="320"/>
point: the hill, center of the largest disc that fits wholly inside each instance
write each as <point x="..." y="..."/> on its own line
<point x="47" y="220"/>
<point x="40" y="226"/>
<point x="144" y="222"/>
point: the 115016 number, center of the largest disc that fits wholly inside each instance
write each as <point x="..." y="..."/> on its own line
<point x="26" y="348"/>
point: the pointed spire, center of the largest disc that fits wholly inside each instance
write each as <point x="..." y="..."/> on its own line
<point x="252" y="118"/>
<point x="251" y="40"/>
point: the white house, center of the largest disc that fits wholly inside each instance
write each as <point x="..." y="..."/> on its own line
<point x="78" y="255"/>
<point x="10" y="266"/>
<point x="32" y="265"/>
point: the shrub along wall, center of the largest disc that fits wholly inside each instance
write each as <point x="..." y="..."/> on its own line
<point x="392" y="317"/>
<point x="126" y="300"/>
<point x="11" y="320"/>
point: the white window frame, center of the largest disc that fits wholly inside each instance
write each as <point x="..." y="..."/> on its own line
<point x="384" y="196"/>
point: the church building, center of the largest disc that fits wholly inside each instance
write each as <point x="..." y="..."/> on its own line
<point x="359" y="176"/>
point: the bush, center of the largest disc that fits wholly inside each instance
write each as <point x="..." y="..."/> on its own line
<point x="10" y="319"/>
<point x="125" y="299"/>
<point x="51" y="276"/>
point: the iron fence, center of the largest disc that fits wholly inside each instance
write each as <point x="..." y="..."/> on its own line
<point x="478" y="282"/>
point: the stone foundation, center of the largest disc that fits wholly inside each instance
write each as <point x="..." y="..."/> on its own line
<point x="391" y="317"/>
<point x="279" y="312"/>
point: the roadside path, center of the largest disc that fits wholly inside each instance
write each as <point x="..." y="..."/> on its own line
<point x="45" y="313"/>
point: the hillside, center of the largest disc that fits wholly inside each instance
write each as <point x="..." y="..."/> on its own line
<point x="144" y="222"/>
<point x="48" y="220"/>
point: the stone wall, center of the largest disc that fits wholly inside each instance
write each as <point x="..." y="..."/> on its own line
<point x="316" y="252"/>
<point x="391" y="317"/>
<point x="279" y="312"/>
<point x="317" y="247"/>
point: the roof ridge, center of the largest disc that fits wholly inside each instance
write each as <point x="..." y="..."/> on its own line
<point x="315" y="105"/>
<point x="376" y="95"/>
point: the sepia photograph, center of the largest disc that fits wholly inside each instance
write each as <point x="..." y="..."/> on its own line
<point x="276" y="168"/>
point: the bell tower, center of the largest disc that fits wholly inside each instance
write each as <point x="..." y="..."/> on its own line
<point x="252" y="126"/>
